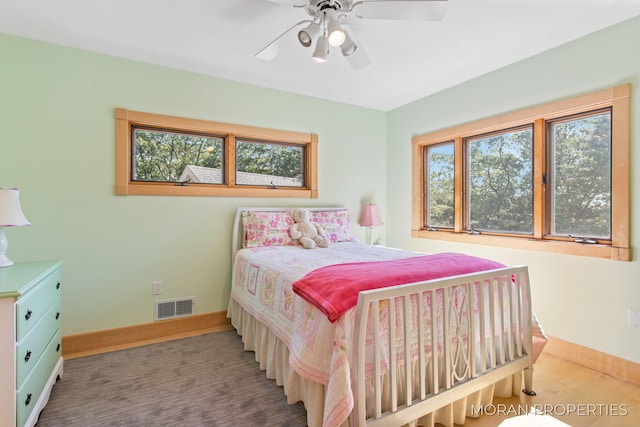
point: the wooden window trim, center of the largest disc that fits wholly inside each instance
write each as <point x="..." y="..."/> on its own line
<point x="617" y="98"/>
<point x="125" y="119"/>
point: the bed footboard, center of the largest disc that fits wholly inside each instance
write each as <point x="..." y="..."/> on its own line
<point x="421" y="346"/>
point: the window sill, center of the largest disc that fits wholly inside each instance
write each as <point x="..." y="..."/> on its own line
<point x="566" y="248"/>
<point x="141" y="189"/>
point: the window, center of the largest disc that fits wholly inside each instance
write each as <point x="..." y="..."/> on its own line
<point x="580" y="176"/>
<point x="163" y="155"/>
<point x="499" y="178"/>
<point x="439" y="185"/>
<point x="552" y="178"/>
<point x="270" y="164"/>
<point x="175" y="157"/>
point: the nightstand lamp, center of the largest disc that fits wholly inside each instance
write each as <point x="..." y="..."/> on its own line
<point x="370" y="219"/>
<point x="10" y="216"/>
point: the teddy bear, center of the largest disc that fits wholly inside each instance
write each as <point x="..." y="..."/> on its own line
<point x="310" y="234"/>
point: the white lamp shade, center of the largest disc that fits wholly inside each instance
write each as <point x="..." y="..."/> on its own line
<point x="371" y="217"/>
<point x="10" y="211"/>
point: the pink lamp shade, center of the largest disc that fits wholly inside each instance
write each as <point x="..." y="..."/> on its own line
<point x="371" y="216"/>
<point x="10" y="216"/>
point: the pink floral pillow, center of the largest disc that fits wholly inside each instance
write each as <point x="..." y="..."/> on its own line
<point x="336" y="224"/>
<point x="267" y="229"/>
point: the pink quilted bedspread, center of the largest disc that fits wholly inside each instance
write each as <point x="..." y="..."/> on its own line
<point x="319" y="349"/>
<point x="334" y="289"/>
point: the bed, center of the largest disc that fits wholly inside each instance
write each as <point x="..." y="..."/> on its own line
<point x="357" y="356"/>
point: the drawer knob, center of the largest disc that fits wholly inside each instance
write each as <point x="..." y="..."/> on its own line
<point x="28" y="315"/>
<point x="58" y="285"/>
<point x="26" y="402"/>
<point x="58" y="347"/>
<point x="27" y="356"/>
<point x="57" y="315"/>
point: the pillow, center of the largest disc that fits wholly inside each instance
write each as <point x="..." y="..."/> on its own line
<point x="336" y="224"/>
<point x="267" y="229"/>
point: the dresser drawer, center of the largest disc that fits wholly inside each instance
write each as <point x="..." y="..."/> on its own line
<point x="32" y="347"/>
<point x="29" y="393"/>
<point x="31" y="308"/>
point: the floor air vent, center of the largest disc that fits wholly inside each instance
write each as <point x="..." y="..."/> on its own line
<point x="172" y="308"/>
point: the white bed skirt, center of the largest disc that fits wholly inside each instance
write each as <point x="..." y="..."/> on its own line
<point x="273" y="356"/>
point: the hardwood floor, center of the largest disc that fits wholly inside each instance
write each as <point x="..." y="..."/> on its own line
<point x="595" y="399"/>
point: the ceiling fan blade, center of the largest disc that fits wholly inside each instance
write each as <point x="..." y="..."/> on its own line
<point x="359" y="58"/>
<point x="406" y="10"/>
<point x="271" y="50"/>
<point x="297" y="3"/>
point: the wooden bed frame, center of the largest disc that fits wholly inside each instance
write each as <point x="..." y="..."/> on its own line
<point x="498" y="344"/>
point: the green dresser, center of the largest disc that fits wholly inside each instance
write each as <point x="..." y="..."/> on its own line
<point x="30" y="340"/>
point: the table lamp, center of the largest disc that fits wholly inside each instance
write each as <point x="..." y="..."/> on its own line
<point x="10" y="216"/>
<point x="370" y="219"/>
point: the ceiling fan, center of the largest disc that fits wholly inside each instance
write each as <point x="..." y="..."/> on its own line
<point x="328" y="27"/>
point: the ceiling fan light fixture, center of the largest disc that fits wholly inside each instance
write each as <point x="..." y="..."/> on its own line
<point x="335" y="33"/>
<point x="307" y="34"/>
<point x="349" y="46"/>
<point x="328" y="25"/>
<point x="322" y="49"/>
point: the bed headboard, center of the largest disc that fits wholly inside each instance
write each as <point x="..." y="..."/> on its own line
<point x="237" y="241"/>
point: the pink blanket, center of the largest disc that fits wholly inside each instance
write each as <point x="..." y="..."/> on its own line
<point x="334" y="289"/>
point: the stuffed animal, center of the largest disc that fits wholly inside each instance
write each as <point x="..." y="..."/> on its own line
<point x="307" y="232"/>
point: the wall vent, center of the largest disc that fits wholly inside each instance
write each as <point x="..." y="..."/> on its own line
<point x="172" y="308"/>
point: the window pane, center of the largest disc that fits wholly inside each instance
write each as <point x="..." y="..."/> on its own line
<point x="167" y="156"/>
<point x="439" y="166"/>
<point x="500" y="182"/>
<point x="259" y="163"/>
<point x="581" y="176"/>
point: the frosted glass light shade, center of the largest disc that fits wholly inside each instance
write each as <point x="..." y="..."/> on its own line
<point x="349" y="46"/>
<point x="308" y="34"/>
<point x="336" y="34"/>
<point x="322" y="49"/>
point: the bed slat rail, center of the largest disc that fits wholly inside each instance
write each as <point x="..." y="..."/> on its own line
<point x="475" y="330"/>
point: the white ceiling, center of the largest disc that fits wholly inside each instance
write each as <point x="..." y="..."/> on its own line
<point x="410" y="60"/>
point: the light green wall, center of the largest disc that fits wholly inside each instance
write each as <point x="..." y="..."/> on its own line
<point x="578" y="299"/>
<point x="57" y="143"/>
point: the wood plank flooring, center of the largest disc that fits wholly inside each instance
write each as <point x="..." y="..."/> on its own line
<point x="594" y="399"/>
